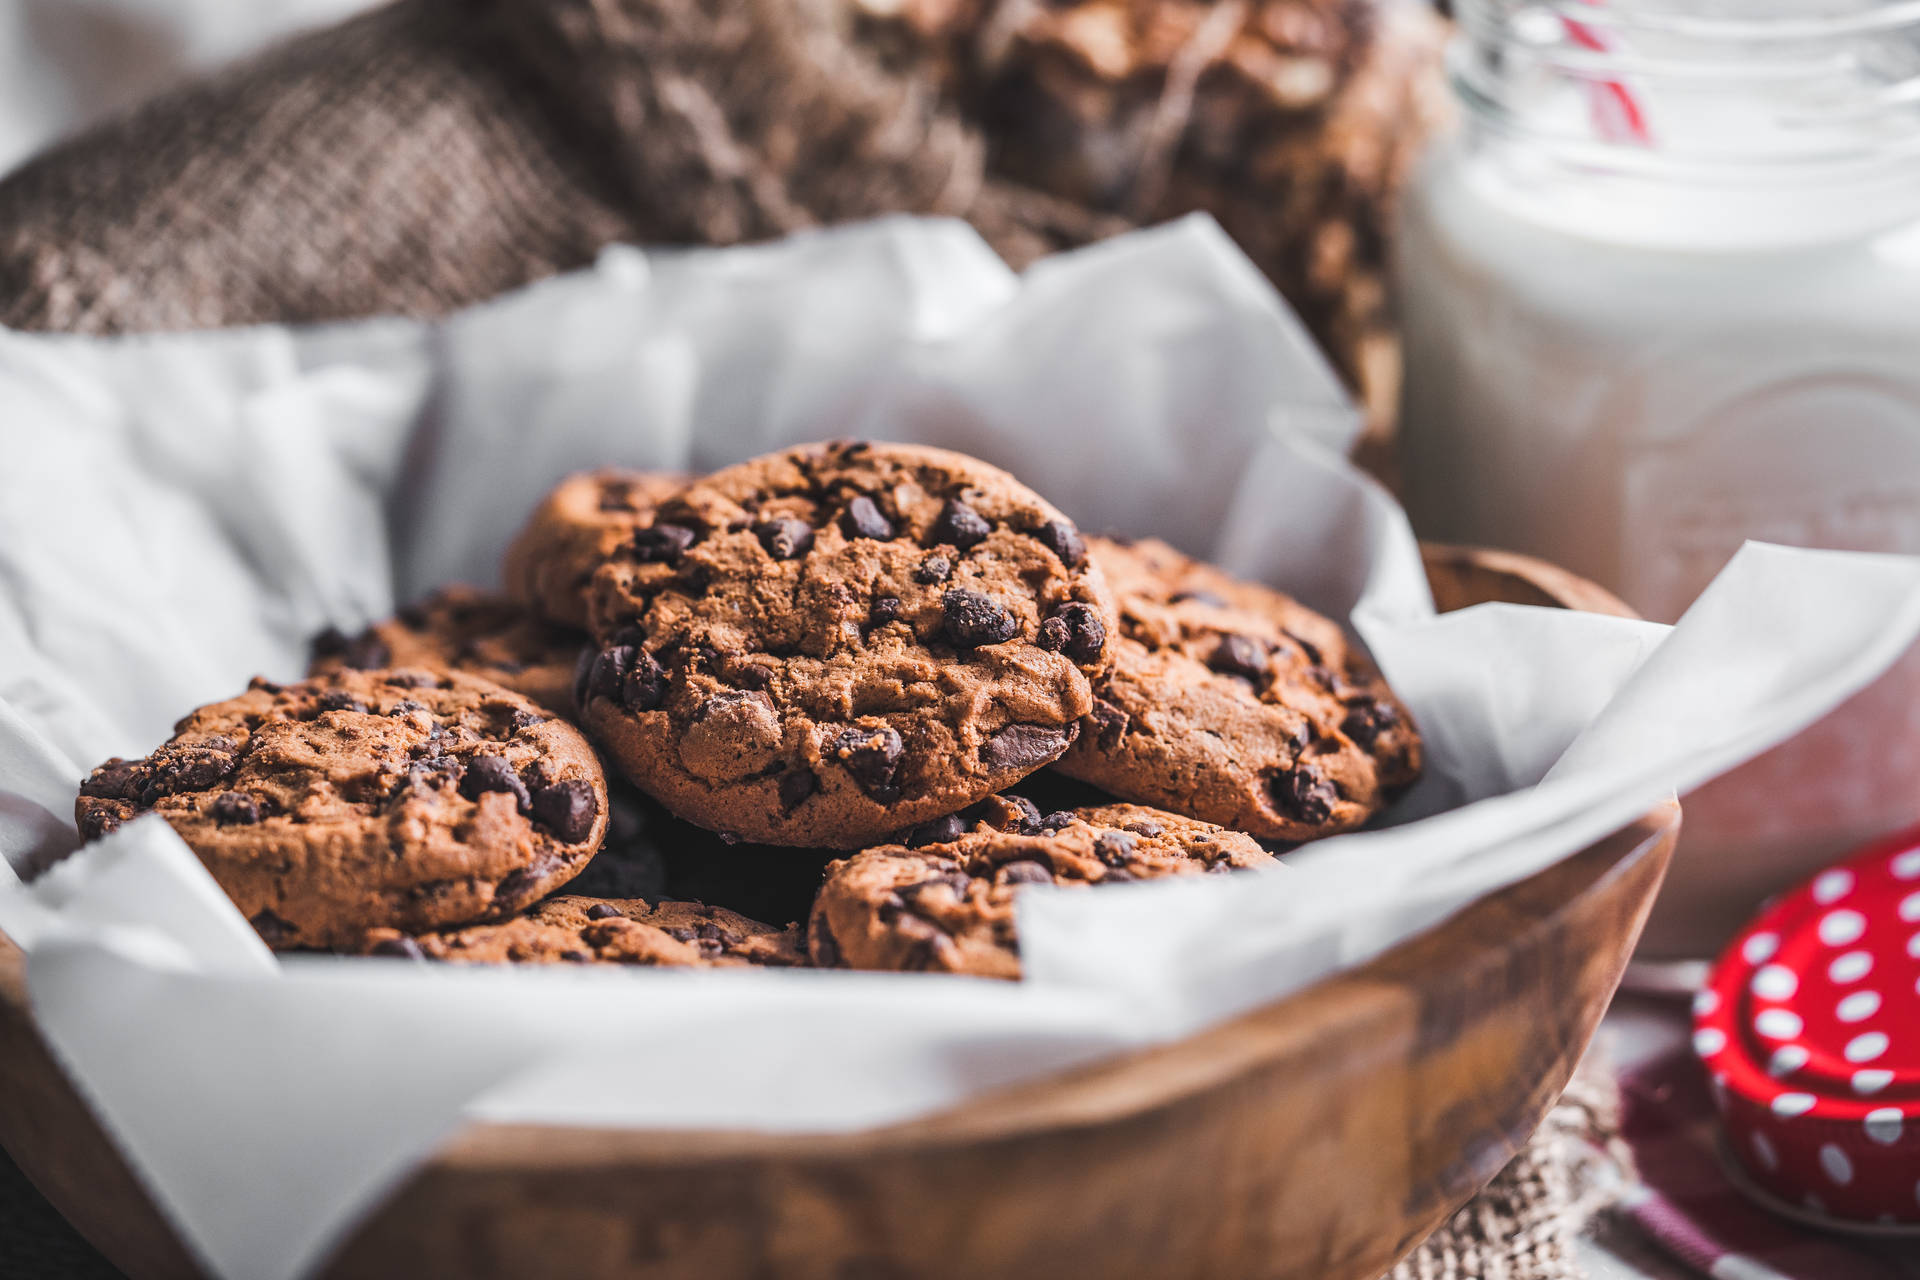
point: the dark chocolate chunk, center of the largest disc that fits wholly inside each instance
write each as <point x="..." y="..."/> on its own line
<point x="933" y="569"/>
<point x="1025" y="871"/>
<point x="117" y="779"/>
<point x="366" y="652"/>
<point x="785" y="539"/>
<point x="1110" y="723"/>
<point x="1061" y="538"/>
<point x="1114" y="847"/>
<point x="338" y="700"/>
<point x="1076" y="630"/>
<point x="862" y="519"/>
<point x="937" y="831"/>
<point x="1304" y="794"/>
<point x="1240" y="656"/>
<point x="566" y="808"/>
<point x="494" y="773"/>
<point x="1023" y="746"/>
<point x="884" y="609"/>
<point x="662" y="543"/>
<point x="872" y="757"/>
<point x="235" y="808"/>
<point x="273" y="930"/>
<point x="1367" y="719"/>
<point x="1145" y="827"/>
<point x="796" y="784"/>
<point x="973" y="619"/>
<point x="602" y="911"/>
<point x="645" y="684"/>
<point x="1058" y="820"/>
<point x="959" y="525"/>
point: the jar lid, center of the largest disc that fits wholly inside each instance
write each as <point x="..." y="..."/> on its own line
<point x="1810" y="1028"/>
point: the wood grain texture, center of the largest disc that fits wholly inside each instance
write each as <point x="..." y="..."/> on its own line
<point x="1317" y="1138"/>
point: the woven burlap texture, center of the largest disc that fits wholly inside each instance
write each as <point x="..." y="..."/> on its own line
<point x="436" y="152"/>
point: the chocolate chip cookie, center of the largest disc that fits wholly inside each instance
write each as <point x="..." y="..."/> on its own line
<point x="828" y="644"/>
<point x="461" y="629"/>
<point x="404" y="798"/>
<point x="570" y="929"/>
<point x="1233" y="703"/>
<point x="576" y="528"/>
<point x="943" y="901"/>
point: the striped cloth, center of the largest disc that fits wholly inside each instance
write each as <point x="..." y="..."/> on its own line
<point x="1684" y="1203"/>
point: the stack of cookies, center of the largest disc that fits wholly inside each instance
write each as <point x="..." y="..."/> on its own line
<point x="695" y="692"/>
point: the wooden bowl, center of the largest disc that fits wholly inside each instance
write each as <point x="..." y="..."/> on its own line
<point x="1317" y="1138"/>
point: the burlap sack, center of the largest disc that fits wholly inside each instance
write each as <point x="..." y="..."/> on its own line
<point x="436" y="152"/>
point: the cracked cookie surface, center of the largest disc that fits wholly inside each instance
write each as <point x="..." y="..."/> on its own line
<point x="825" y="645"/>
<point x="571" y="929"/>
<point x="944" y="900"/>
<point x="1234" y="703"/>
<point x="403" y="798"/>
<point x="574" y="530"/>
<point x="463" y="629"/>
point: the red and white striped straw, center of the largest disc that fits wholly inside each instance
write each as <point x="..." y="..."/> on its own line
<point x="1617" y="113"/>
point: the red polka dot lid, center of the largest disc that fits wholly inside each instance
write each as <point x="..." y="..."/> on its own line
<point x="1810" y="1029"/>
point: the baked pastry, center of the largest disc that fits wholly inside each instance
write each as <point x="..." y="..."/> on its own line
<point x="571" y="929"/>
<point x="574" y="529"/>
<point x="1233" y="703"/>
<point x="825" y="645"/>
<point x="461" y="629"/>
<point x="409" y="799"/>
<point x="944" y="901"/>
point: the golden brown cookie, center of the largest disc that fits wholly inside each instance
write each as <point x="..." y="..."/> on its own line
<point x="821" y="646"/>
<point x="361" y="799"/>
<point x="570" y="929"/>
<point x="1233" y="703"/>
<point x="462" y="629"/>
<point x="573" y="530"/>
<point x="945" y="901"/>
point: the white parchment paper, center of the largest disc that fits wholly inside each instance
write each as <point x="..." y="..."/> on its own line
<point x="178" y="513"/>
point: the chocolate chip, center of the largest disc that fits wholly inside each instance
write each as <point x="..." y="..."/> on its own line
<point x="1058" y="820"/>
<point x="645" y="685"/>
<point x="1307" y="647"/>
<point x="662" y="543"/>
<point x="681" y="935"/>
<point x="1118" y="875"/>
<point x="935" y="568"/>
<point x="795" y="785"/>
<point x="884" y="609"/>
<point x="602" y="911"/>
<point x="494" y="773"/>
<point x="97" y="820"/>
<point x="273" y="930"/>
<point x="117" y="779"/>
<point x="1076" y="630"/>
<point x="565" y="808"/>
<point x="1304" y="794"/>
<point x="823" y="945"/>
<point x="412" y="679"/>
<point x="1114" y="847"/>
<point x="785" y="539"/>
<point x="1026" y="816"/>
<point x="406" y="707"/>
<point x="973" y="619"/>
<point x="754" y="676"/>
<point x="1240" y="656"/>
<point x="937" y="831"/>
<point x="575" y="957"/>
<point x="1110" y="723"/>
<point x="959" y="525"/>
<point x="176" y="769"/>
<point x="1023" y="746"/>
<point x="328" y="642"/>
<point x="399" y="948"/>
<point x="1146" y="828"/>
<point x="523" y="720"/>
<point x="1025" y="871"/>
<point x="366" y="652"/>
<point x="1198" y="597"/>
<point x="1061" y="538"/>
<point x="338" y="700"/>
<point x="235" y="808"/>
<point x="431" y="775"/>
<point x="872" y="757"/>
<point x="1366" y="720"/>
<point x="862" y="519"/>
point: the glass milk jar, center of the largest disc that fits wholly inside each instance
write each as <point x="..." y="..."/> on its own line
<point x="1661" y="294"/>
